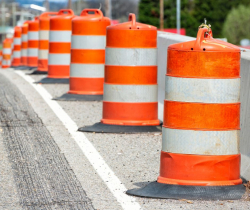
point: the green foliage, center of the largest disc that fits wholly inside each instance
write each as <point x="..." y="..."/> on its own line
<point x="193" y="13"/>
<point x="237" y="24"/>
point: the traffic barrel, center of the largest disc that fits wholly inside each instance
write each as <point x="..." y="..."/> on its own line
<point x="17" y="47"/>
<point x="1" y="57"/>
<point x="24" y="45"/>
<point x="33" y="37"/>
<point x="59" y="47"/>
<point x="43" y="46"/>
<point x="200" y="157"/>
<point x="130" y="99"/>
<point x="87" y="56"/>
<point x="7" y="53"/>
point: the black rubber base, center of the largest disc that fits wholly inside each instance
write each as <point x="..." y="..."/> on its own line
<point x="104" y="128"/>
<point x="38" y="72"/>
<point x="79" y="97"/>
<point x="167" y="191"/>
<point x="21" y="68"/>
<point x="53" y="81"/>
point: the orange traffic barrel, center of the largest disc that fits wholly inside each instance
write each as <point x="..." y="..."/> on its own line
<point x="7" y="43"/>
<point x="87" y="56"/>
<point x="59" y="47"/>
<point x="43" y="47"/>
<point x="1" y="57"/>
<point x="33" y="37"/>
<point x="201" y="126"/>
<point x="130" y="98"/>
<point x="17" y="47"/>
<point x="24" y="44"/>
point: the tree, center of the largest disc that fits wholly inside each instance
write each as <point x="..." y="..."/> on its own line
<point x="193" y="13"/>
<point x="236" y="26"/>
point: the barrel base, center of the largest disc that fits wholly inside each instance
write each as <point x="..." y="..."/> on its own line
<point x="53" y="81"/>
<point x="169" y="191"/>
<point x="79" y="97"/>
<point x="37" y="72"/>
<point x="106" y="128"/>
<point x="21" y="68"/>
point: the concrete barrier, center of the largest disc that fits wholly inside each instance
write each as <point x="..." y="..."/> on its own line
<point x="164" y="40"/>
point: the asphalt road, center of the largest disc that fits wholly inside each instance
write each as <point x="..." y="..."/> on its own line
<point x="134" y="159"/>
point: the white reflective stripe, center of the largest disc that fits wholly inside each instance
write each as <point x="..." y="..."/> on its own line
<point x="202" y="90"/>
<point x="17" y="41"/>
<point x="17" y="54"/>
<point x="131" y="56"/>
<point x="59" y="59"/>
<point x="32" y="52"/>
<point x="60" y="36"/>
<point x="6" y="51"/>
<point x="88" y="42"/>
<point x="1" y="57"/>
<point x="12" y="45"/>
<point x="24" y="53"/>
<point x="130" y="93"/>
<point x="43" y="54"/>
<point x="33" y="35"/>
<point x="200" y="142"/>
<point x="87" y="70"/>
<point x="6" y="62"/>
<point x="43" y="35"/>
<point x="24" y="37"/>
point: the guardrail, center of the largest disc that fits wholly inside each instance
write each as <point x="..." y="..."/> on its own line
<point x="163" y="41"/>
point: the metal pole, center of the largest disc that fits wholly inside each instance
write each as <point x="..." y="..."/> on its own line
<point x="13" y="14"/>
<point x="178" y="12"/>
<point x="110" y="9"/>
<point x="3" y="14"/>
<point x="161" y="14"/>
<point x="69" y="4"/>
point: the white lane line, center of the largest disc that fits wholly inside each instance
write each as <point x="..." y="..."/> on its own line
<point x="96" y="160"/>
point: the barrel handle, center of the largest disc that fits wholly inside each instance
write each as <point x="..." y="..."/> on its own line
<point x="62" y="11"/>
<point x="132" y="18"/>
<point x="200" y="37"/>
<point x="98" y="12"/>
<point x="36" y="18"/>
<point x="46" y="14"/>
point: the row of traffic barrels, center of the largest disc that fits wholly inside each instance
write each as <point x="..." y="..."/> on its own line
<point x="200" y="130"/>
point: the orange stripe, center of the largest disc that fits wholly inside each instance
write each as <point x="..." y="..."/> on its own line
<point x="131" y="38"/>
<point x="5" y="67"/>
<point x="131" y="74"/>
<point x="58" y="71"/>
<point x="203" y="64"/>
<point x="44" y="20"/>
<point x="56" y="47"/>
<point x="32" y="61"/>
<point x="92" y="27"/>
<point x="130" y="113"/>
<point x="199" y="116"/>
<point x="87" y="86"/>
<point x="33" y="26"/>
<point x="202" y="170"/>
<point x="7" y="45"/>
<point x="25" y="29"/>
<point x="24" y="45"/>
<point x="43" y="44"/>
<point x="33" y="44"/>
<point x="24" y="61"/>
<point x="16" y="62"/>
<point x="88" y="56"/>
<point x="42" y="65"/>
<point x="60" y="23"/>
<point x="6" y="57"/>
<point x="17" y="47"/>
